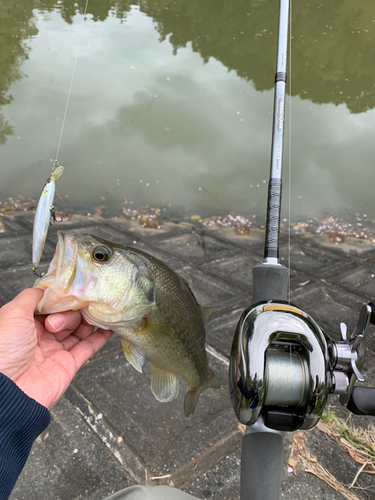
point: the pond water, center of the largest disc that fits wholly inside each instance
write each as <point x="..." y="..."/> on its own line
<point x="171" y="105"/>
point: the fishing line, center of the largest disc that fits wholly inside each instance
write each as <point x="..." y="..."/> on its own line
<point x="290" y="141"/>
<point x="71" y="81"/>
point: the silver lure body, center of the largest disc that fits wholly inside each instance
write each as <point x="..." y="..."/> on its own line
<point x="43" y="215"/>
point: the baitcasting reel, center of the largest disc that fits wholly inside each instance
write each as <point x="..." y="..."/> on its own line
<point x="283" y="366"/>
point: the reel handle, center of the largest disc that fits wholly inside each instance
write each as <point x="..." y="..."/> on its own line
<point x="372" y="317"/>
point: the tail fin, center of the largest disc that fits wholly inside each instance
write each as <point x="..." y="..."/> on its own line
<point x="192" y="395"/>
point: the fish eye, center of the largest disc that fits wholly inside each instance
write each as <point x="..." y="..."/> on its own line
<point x="101" y="253"/>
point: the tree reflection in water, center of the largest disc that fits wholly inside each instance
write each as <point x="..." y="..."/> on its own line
<point x="332" y="53"/>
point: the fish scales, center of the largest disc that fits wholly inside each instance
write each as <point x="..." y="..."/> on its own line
<point x="140" y="298"/>
<point x="177" y="310"/>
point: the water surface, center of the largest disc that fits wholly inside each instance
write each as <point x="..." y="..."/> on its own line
<point x="171" y="104"/>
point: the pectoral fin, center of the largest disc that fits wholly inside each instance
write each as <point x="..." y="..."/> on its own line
<point x="154" y="328"/>
<point x="206" y="313"/>
<point x="164" y="385"/>
<point x="134" y="357"/>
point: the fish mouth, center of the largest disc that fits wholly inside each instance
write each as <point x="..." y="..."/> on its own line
<point x="58" y="282"/>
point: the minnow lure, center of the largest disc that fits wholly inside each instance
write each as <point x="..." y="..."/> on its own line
<point x="43" y="214"/>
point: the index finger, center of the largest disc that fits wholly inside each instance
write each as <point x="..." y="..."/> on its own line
<point x="27" y="299"/>
<point x="90" y="346"/>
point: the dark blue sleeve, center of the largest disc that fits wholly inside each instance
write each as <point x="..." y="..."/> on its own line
<point x="21" y="421"/>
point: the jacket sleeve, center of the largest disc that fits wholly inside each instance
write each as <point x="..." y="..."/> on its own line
<point x="21" y="421"/>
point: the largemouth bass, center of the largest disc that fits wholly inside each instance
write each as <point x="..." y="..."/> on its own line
<point x="141" y="299"/>
<point x="43" y="214"/>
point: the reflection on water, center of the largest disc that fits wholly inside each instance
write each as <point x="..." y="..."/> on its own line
<point x="171" y="104"/>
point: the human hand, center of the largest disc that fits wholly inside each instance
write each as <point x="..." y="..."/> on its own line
<point x="42" y="354"/>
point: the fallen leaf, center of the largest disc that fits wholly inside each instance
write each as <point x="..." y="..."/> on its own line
<point x="336" y="238"/>
<point x="241" y="428"/>
<point x="356" y="457"/>
<point x="62" y="216"/>
<point x="150" y="223"/>
<point x="241" y="230"/>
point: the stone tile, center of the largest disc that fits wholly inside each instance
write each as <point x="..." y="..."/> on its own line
<point x="313" y="260"/>
<point x="220" y="329"/>
<point x="360" y="279"/>
<point x="13" y="225"/>
<point x="221" y="482"/>
<point x="349" y="246"/>
<point x="147" y="233"/>
<point x="328" y="306"/>
<point x="17" y="250"/>
<point x="68" y="461"/>
<point x="17" y="278"/>
<point x="255" y="238"/>
<point x="124" y="398"/>
<point x="238" y="269"/>
<point x="26" y="220"/>
<point x="194" y="247"/>
<point x="100" y="230"/>
<point x="303" y="485"/>
<point x="209" y="290"/>
<point x="112" y="346"/>
<point x="171" y="261"/>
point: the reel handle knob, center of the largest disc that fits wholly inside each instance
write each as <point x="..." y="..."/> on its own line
<point x="372" y="317"/>
<point x="362" y="401"/>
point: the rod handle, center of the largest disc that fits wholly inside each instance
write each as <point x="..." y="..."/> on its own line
<point x="261" y="466"/>
<point x="270" y="282"/>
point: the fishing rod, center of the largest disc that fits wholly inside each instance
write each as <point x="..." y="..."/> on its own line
<point x="283" y="366"/>
<point x="271" y="278"/>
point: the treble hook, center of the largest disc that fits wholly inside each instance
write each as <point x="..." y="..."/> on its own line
<point x="37" y="273"/>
